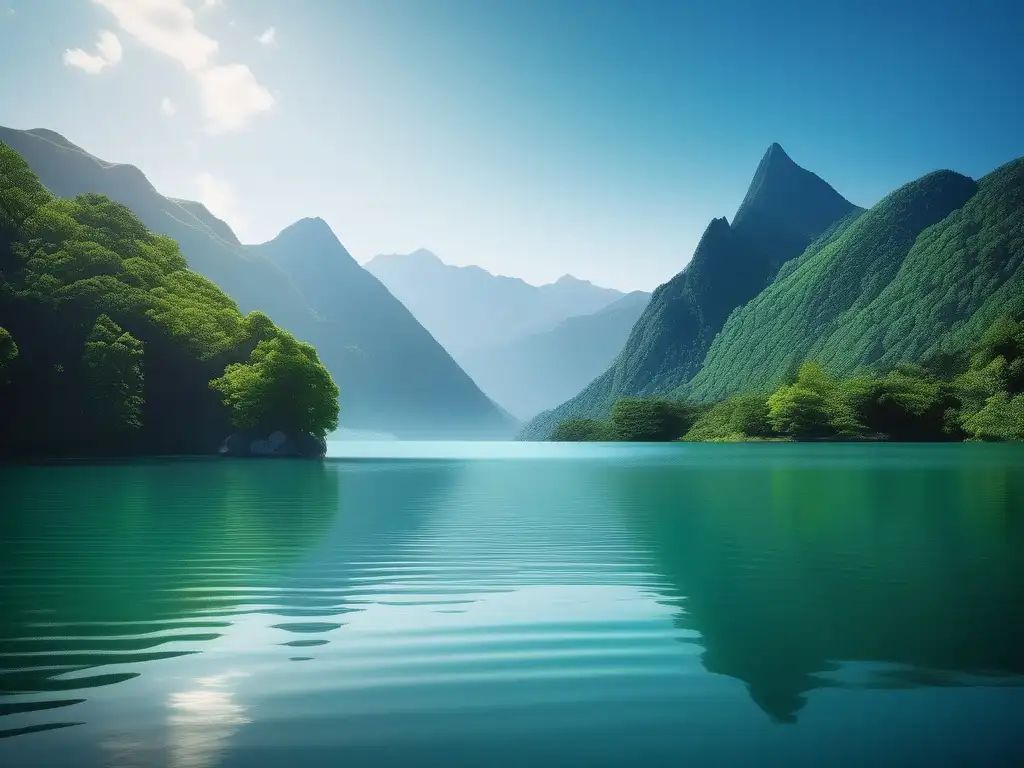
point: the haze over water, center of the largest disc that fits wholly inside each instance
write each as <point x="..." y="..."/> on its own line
<point x="485" y="605"/>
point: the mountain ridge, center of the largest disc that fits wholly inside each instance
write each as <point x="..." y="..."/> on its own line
<point x="783" y="211"/>
<point x="258" y="283"/>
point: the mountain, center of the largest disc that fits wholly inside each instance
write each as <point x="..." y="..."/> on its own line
<point x="110" y="345"/>
<point x="468" y="308"/>
<point x="541" y="370"/>
<point x="785" y="209"/>
<point x="387" y="349"/>
<point x="921" y="274"/>
<point x="359" y="350"/>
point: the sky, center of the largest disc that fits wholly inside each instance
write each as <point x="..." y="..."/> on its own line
<point x="533" y="138"/>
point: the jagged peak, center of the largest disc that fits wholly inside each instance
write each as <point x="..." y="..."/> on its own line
<point x="568" y="279"/>
<point x="791" y="191"/>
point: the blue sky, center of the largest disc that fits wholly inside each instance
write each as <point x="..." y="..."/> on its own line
<point x="531" y="137"/>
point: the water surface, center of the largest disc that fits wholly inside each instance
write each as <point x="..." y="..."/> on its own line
<point x="509" y="605"/>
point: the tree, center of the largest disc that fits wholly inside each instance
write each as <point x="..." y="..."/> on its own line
<point x="799" y="412"/>
<point x="908" y="403"/>
<point x="1002" y="418"/>
<point x="283" y="386"/>
<point x="112" y="378"/>
<point x="816" y="405"/>
<point x="8" y="354"/>
<point x="584" y="430"/>
<point x="651" y="419"/>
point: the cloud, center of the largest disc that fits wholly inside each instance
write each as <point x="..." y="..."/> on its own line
<point x="219" y="198"/>
<point x="167" y="107"/>
<point x="212" y="3"/>
<point x="267" y="36"/>
<point x="108" y="53"/>
<point x="229" y="93"/>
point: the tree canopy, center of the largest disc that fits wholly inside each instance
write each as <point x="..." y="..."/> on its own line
<point x="118" y="341"/>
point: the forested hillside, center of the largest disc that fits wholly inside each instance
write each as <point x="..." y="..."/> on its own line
<point x="785" y="209"/>
<point x="905" y="322"/>
<point x="110" y="344"/>
<point x="358" y="348"/>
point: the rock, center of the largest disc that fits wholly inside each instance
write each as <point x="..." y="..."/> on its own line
<point x="273" y="444"/>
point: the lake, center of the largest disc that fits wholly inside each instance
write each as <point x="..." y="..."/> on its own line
<point x="526" y="604"/>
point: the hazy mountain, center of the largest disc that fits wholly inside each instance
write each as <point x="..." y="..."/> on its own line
<point x="541" y="370"/>
<point x="388" y="351"/>
<point x="786" y="208"/>
<point x="359" y="347"/>
<point x="467" y="308"/>
<point x="923" y="272"/>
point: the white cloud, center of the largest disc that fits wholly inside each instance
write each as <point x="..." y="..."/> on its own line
<point x="219" y="198"/>
<point x="108" y="53"/>
<point x="167" y="107"/>
<point x="267" y="36"/>
<point x="212" y="3"/>
<point x="229" y="93"/>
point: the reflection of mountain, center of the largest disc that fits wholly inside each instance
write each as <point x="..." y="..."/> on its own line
<point x="121" y="564"/>
<point x="789" y="569"/>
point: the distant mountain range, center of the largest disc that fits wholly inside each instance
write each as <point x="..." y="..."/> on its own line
<point x="394" y="377"/>
<point x="528" y="347"/>
<point x="801" y="274"/>
<point x="468" y="308"/>
<point x="540" y="370"/>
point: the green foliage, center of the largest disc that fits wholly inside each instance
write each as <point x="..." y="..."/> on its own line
<point x="908" y="403"/>
<point x="8" y="354"/>
<point x="1001" y="418"/>
<point x="86" y="288"/>
<point x="653" y="419"/>
<point x="818" y="308"/>
<point x="584" y="430"/>
<point x="282" y="386"/>
<point x="738" y="418"/>
<point x="786" y="208"/>
<point x="112" y="378"/>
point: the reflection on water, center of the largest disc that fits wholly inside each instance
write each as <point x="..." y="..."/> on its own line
<point x="634" y="604"/>
<point x="202" y="720"/>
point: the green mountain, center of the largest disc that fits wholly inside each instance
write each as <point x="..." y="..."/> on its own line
<point x="359" y="348"/>
<point x="922" y="274"/>
<point x="541" y="370"/>
<point x="469" y="309"/>
<point x="109" y="344"/>
<point x="785" y="209"/>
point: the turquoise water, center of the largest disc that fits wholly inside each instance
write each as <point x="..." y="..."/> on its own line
<point x="505" y="605"/>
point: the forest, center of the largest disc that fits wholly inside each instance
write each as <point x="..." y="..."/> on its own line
<point x="111" y="345"/>
<point x="976" y="395"/>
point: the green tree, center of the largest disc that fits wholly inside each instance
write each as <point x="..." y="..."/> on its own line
<point x="8" y="354"/>
<point x="816" y="405"/>
<point x="738" y="418"/>
<point x="113" y="378"/>
<point x="651" y="419"/>
<point x="1001" y="418"/>
<point x="908" y="403"/>
<point x="584" y="430"/>
<point x="282" y="386"/>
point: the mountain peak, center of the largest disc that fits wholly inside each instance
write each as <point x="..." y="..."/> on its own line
<point x="568" y="279"/>
<point x="789" y="195"/>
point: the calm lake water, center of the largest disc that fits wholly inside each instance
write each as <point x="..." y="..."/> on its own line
<point x="503" y="605"/>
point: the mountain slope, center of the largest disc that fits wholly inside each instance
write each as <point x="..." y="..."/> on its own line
<point x="541" y="370"/>
<point x="370" y="400"/>
<point x="785" y="209"/>
<point x="925" y="271"/>
<point x="392" y="358"/>
<point x="467" y="308"/>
